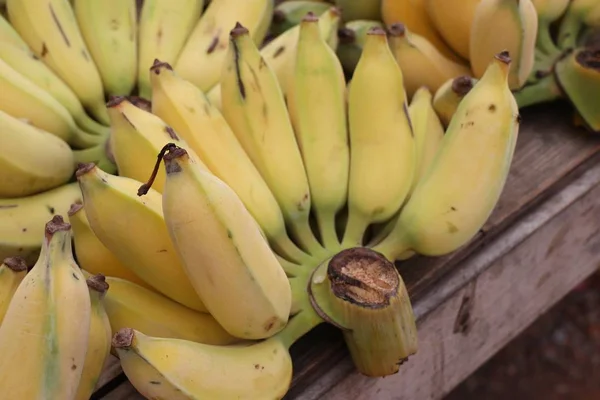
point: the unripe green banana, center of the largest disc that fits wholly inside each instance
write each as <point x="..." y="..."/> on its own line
<point x="579" y="14"/>
<point x="290" y="13"/>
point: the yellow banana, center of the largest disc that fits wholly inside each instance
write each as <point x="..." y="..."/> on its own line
<point x="205" y="51"/>
<point x="164" y="27"/>
<point x="441" y="216"/>
<point x="12" y="272"/>
<point x="449" y="95"/>
<point x="183" y="370"/>
<point x="254" y="106"/>
<point x="184" y="107"/>
<point x="91" y="254"/>
<point x="363" y="9"/>
<point x="578" y="75"/>
<point x="22" y="98"/>
<point x="227" y="259"/>
<point x="413" y="14"/>
<point x="421" y="63"/>
<point x="428" y="131"/>
<point x="137" y="137"/>
<point x="131" y="305"/>
<point x="351" y="42"/>
<point x="548" y="11"/>
<point x="453" y="19"/>
<point x="22" y="227"/>
<point x="114" y="210"/>
<point x="44" y="334"/>
<point x="318" y="113"/>
<point x="579" y="14"/>
<point x="50" y="29"/>
<point x="32" y="68"/>
<point x="382" y="146"/>
<point x="504" y="25"/>
<point x="99" y="339"/>
<point x="31" y="161"/>
<point x="288" y="14"/>
<point x="8" y="35"/>
<point x="109" y="29"/>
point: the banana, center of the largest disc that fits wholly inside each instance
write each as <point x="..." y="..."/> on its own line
<point x="99" y="339"/>
<point x="32" y="68"/>
<point x="31" y="161"/>
<point x="109" y="29"/>
<point x="91" y="254"/>
<point x="279" y="52"/>
<point x="382" y="146"/>
<point x="223" y="251"/>
<point x="100" y="155"/>
<point x="22" y="98"/>
<point x="363" y="9"/>
<point x="351" y="42"/>
<point x="421" y="63"/>
<point x="441" y="216"/>
<point x="114" y="210"/>
<point x="428" y="131"/>
<point x="290" y="13"/>
<point x="453" y="19"/>
<point x="44" y="334"/>
<point x="50" y="29"/>
<point x="137" y="137"/>
<point x="578" y="75"/>
<point x="548" y="11"/>
<point x="8" y="35"/>
<point x="12" y="272"/>
<point x="184" y="107"/>
<point x="183" y="370"/>
<point x="205" y="51"/>
<point x="22" y="227"/>
<point x="318" y="113"/>
<point x="130" y="305"/>
<point x="413" y="14"/>
<point x="254" y="106"/>
<point x="579" y="14"/>
<point x="164" y="27"/>
<point x="504" y="25"/>
<point x="449" y="95"/>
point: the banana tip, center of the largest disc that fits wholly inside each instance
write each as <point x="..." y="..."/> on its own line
<point x="238" y="30"/>
<point x="114" y="101"/>
<point x="310" y="17"/>
<point x="158" y="65"/>
<point x="98" y="283"/>
<point x="123" y="338"/>
<point x="376" y="31"/>
<point x="397" y="29"/>
<point x="346" y="35"/>
<point x="75" y="208"/>
<point x="56" y="224"/>
<point x="461" y="85"/>
<point x="84" y="168"/>
<point x="17" y="264"/>
<point x="504" y="57"/>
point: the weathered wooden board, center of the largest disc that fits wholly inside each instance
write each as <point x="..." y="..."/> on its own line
<point x="550" y="155"/>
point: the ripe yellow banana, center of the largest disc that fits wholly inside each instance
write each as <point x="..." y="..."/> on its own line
<point x="579" y="14"/>
<point x="183" y="370"/>
<point x="428" y="131"/>
<point x="31" y="161"/>
<point x="50" y="29"/>
<point x="318" y="113"/>
<point x="254" y="106"/>
<point x="548" y="11"/>
<point x="22" y="227"/>
<point x="288" y="14"/>
<point x="205" y="51"/>
<point x="578" y="75"/>
<point x="351" y="42"/>
<point x="31" y="67"/>
<point x="421" y="63"/>
<point x="449" y="95"/>
<point x="44" y="334"/>
<point x="164" y="27"/>
<point x="12" y="272"/>
<point x="184" y="107"/>
<point x="91" y="254"/>
<point x="137" y="138"/>
<point x="22" y="98"/>
<point x="109" y="29"/>
<point x="382" y="146"/>
<point x="8" y="35"/>
<point x="363" y="9"/>
<point x="131" y="305"/>
<point x="227" y="259"/>
<point x="517" y="20"/>
<point x="413" y="14"/>
<point x="114" y="212"/>
<point x="453" y="19"/>
<point x="440" y="216"/>
<point x="99" y="339"/>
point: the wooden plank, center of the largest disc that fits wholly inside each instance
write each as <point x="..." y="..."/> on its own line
<point x="480" y="318"/>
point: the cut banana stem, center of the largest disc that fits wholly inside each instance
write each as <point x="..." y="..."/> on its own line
<point x="439" y="217"/>
<point x="544" y="90"/>
<point x="12" y="272"/>
<point x="362" y="292"/>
